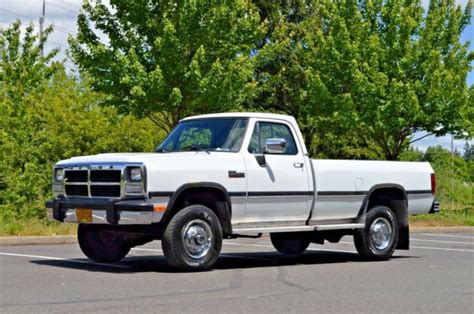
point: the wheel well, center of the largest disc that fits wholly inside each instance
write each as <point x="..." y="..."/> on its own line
<point x="213" y="198"/>
<point x="394" y="198"/>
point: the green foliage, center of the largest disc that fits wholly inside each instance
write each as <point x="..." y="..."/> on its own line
<point x="166" y="60"/>
<point x="469" y="151"/>
<point x="455" y="185"/>
<point x="48" y="116"/>
<point x="23" y="69"/>
<point x="367" y="73"/>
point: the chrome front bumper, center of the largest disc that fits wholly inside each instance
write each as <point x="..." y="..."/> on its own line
<point x="104" y="211"/>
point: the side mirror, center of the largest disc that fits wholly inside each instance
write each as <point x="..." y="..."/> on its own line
<point x="275" y="145"/>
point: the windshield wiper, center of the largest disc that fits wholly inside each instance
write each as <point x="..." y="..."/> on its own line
<point x="161" y="150"/>
<point x="196" y="147"/>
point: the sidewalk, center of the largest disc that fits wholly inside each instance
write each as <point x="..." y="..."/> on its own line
<point x="71" y="239"/>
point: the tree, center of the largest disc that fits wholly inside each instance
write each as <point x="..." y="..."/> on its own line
<point x="165" y="60"/>
<point x="283" y="77"/>
<point x="22" y="68"/>
<point x="389" y="69"/>
<point x="469" y="152"/>
<point x="47" y="116"/>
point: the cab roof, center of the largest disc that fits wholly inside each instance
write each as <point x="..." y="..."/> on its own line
<point x="258" y="115"/>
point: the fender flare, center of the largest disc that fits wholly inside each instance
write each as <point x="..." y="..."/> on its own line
<point x="223" y="209"/>
<point x="365" y="202"/>
<point x="403" y="236"/>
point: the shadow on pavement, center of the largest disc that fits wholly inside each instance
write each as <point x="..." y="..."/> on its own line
<point x="153" y="263"/>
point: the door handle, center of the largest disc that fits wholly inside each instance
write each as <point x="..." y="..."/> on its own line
<point x="298" y="165"/>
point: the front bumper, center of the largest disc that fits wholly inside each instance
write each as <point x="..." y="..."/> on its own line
<point x="104" y="211"/>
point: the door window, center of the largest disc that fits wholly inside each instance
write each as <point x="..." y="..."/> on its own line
<point x="265" y="130"/>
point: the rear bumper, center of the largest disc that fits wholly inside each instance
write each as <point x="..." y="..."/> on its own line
<point x="104" y="211"/>
<point x="434" y="208"/>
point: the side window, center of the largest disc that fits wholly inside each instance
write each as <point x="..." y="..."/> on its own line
<point x="265" y="130"/>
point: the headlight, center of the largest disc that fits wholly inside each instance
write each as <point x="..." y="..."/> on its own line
<point x="58" y="174"/>
<point x="135" y="174"/>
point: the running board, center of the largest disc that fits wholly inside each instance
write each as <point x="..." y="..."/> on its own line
<point x="297" y="228"/>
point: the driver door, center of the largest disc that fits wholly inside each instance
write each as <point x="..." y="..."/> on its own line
<point x="279" y="190"/>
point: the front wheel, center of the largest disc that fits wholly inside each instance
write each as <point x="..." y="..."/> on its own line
<point x="378" y="239"/>
<point x="193" y="239"/>
<point x="101" y="244"/>
<point x="290" y="243"/>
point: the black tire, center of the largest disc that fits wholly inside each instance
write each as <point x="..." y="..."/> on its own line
<point x="290" y="243"/>
<point x="378" y="240"/>
<point x="192" y="239"/>
<point x="101" y="244"/>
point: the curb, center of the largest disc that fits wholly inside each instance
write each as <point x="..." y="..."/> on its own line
<point x="72" y="239"/>
<point x="7" y="241"/>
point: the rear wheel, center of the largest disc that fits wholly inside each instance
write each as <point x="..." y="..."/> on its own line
<point x="193" y="239"/>
<point x="378" y="240"/>
<point x="102" y="244"/>
<point x="290" y="243"/>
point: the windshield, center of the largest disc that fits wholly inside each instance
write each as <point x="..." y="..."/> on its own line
<point x="218" y="134"/>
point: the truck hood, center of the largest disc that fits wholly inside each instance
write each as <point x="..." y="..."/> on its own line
<point x="125" y="158"/>
<point x="169" y="171"/>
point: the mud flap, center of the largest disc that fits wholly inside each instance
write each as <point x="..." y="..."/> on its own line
<point x="403" y="238"/>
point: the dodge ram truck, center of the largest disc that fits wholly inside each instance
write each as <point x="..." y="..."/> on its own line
<point x="229" y="175"/>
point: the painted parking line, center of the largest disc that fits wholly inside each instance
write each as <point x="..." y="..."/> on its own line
<point x="62" y="259"/>
<point x="440" y="249"/>
<point x="427" y="248"/>
<point x="442" y="241"/>
<point x="448" y="236"/>
<point x="143" y="249"/>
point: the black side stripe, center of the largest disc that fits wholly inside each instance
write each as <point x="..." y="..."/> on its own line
<point x="242" y="194"/>
<point x="282" y="193"/>
<point x="237" y="194"/>
<point x="419" y="192"/>
<point x="160" y="194"/>
<point x="290" y="193"/>
<point x="341" y="193"/>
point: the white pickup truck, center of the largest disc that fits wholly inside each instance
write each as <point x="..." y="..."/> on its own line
<point x="233" y="175"/>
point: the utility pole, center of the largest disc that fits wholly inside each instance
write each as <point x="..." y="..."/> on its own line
<point x="41" y="26"/>
<point x="452" y="167"/>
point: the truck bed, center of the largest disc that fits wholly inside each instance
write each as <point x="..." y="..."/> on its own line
<point x="342" y="185"/>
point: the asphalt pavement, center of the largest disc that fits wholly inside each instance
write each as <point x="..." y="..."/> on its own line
<point x="436" y="275"/>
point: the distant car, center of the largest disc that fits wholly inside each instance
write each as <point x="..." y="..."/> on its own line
<point x="233" y="175"/>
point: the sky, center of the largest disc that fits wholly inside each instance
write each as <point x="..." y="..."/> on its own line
<point x="63" y="15"/>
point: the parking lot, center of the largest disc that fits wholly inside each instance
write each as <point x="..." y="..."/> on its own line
<point x="436" y="275"/>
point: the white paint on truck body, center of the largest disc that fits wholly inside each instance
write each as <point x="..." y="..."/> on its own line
<point x="282" y="191"/>
<point x="362" y="175"/>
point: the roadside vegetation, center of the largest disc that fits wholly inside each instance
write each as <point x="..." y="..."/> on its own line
<point x="360" y="77"/>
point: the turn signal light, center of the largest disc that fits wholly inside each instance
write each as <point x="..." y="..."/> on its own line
<point x="159" y="208"/>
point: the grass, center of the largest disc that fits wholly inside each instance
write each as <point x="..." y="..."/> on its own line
<point x="450" y="215"/>
<point x="36" y="227"/>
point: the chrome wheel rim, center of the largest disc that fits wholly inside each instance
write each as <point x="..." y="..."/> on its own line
<point x="381" y="233"/>
<point x="197" y="238"/>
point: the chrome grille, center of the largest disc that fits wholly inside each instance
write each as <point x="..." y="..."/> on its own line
<point x="105" y="176"/>
<point x="93" y="182"/>
<point x="76" y="176"/>
<point x="105" y="190"/>
<point x="77" y="190"/>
